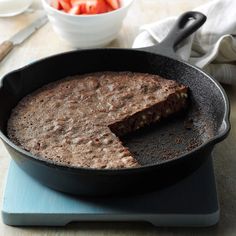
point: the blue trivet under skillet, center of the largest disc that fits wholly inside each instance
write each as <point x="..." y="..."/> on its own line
<point x="191" y="202"/>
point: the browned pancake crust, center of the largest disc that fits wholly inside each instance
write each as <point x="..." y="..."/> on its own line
<point x="77" y="121"/>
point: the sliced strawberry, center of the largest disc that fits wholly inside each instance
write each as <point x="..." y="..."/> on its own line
<point x="115" y="4"/>
<point x="56" y="4"/>
<point x="83" y="9"/>
<point x="109" y="8"/>
<point x="85" y="6"/>
<point x="77" y="2"/>
<point x="82" y="5"/>
<point x="66" y="5"/>
<point x="91" y="6"/>
<point x="102" y="6"/>
<point x="75" y="10"/>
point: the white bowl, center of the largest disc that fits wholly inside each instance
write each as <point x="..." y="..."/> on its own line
<point x="13" y="7"/>
<point x="87" y="31"/>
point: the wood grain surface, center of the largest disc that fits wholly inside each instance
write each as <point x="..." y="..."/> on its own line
<point x="44" y="43"/>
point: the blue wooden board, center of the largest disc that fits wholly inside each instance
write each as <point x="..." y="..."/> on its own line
<point x="191" y="202"/>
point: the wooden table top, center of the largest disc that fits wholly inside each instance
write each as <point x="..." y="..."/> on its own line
<point x="44" y="43"/>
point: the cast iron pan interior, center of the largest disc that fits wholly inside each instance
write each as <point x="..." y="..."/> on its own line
<point x="163" y="141"/>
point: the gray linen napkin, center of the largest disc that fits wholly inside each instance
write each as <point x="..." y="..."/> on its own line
<point x="212" y="47"/>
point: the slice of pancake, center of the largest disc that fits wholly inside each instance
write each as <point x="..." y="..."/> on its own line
<point x="77" y="121"/>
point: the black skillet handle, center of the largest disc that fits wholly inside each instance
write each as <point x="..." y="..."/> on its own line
<point x="184" y="26"/>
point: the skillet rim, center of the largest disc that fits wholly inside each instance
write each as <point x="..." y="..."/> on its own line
<point x="217" y="138"/>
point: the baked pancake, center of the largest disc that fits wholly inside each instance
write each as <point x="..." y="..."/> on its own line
<point x="77" y="121"/>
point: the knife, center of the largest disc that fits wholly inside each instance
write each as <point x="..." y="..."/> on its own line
<point x="21" y="36"/>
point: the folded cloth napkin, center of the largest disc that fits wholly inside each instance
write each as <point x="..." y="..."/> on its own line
<point x="212" y="47"/>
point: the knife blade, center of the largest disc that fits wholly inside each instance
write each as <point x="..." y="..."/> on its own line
<point x="21" y="36"/>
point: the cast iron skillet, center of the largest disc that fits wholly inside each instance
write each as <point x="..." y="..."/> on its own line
<point x="168" y="151"/>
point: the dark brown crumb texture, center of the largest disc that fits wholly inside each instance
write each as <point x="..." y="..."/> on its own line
<point x="77" y="121"/>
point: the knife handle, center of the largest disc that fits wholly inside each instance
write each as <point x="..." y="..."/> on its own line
<point x="5" y="48"/>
